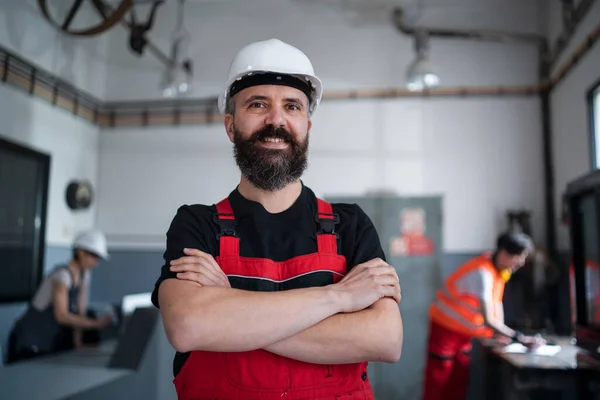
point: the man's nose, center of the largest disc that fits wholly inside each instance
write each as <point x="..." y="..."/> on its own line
<point x="275" y="117"/>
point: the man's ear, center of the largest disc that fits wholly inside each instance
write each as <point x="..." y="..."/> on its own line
<point x="309" y="126"/>
<point x="228" y="122"/>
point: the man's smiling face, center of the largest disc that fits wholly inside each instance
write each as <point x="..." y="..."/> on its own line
<point x="270" y="130"/>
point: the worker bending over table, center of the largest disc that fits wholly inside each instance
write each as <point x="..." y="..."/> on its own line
<point x="468" y="306"/>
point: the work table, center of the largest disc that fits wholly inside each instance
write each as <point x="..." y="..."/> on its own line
<point x="513" y="372"/>
<point x="123" y="366"/>
<point x="60" y="376"/>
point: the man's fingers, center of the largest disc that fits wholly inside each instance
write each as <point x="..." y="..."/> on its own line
<point x="191" y="276"/>
<point x="392" y="291"/>
<point x="371" y="271"/>
<point x="198" y="269"/>
<point x="374" y="263"/>
<point x="367" y="265"/>
<point x="383" y="270"/>
<point x="202" y="279"/>
<point x="194" y="260"/>
<point x="188" y="267"/>
<point x="189" y="260"/>
<point x="386" y="280"/>
<point x="196" y="252"/>
<point x="198" y="255"/>
<point x="200" y="262"/>
<point x="215" y="265"/>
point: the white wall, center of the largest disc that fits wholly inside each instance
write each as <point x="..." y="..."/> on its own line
<point x="482" y="155"/>
<point x="73" y="146"/>
<point x="570" y="122"/>
<point x="80" y="61"/>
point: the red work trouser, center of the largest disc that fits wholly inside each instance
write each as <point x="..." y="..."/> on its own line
<point x="448" y="358"/>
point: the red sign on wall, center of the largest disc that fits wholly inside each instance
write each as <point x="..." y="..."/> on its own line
<point x="413" y="240"/>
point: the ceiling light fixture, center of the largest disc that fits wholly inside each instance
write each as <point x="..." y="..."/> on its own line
<point x="177" y="76"/>
<point x="421" y="74"/>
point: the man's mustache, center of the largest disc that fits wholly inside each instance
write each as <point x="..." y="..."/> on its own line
<point x="272" y="132"/>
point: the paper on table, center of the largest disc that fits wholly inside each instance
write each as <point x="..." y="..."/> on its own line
<point x="545" y="350"/>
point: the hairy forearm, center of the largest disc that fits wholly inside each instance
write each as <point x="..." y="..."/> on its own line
<point x="500" y="328"/>
<point x="225" y="319"/>
<point x="373" y="334"/>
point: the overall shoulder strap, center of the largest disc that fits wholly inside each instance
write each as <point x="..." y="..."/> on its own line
<point x="66" y="268"/>
<point x="72" y="275"/>
<point x="327" y="220"/>
<point x="229" y="243"/>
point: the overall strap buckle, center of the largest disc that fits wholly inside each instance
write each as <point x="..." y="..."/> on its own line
<point x="327" y="222"/>
<point x="326" y="218"/>
<point x="225" y="219"/>
<point x="327" y="236"/>
<point x="227" y="223"/>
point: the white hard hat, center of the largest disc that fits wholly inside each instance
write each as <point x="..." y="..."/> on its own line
<point x="93" y="241"/>
<point x="276" y="57"/>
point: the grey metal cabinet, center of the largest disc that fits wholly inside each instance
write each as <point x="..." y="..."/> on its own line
<point x="410" y="230"/>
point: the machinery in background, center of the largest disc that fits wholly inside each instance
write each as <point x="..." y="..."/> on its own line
<point x="582" y="199"/>
<point x="88" y="18"/>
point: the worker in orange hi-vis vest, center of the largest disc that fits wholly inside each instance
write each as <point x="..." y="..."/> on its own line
<point x="469" y="305"/>
<point x="592" y="291"/>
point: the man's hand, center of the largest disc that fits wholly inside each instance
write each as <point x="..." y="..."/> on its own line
<point x="531" y="341"/>
<point x="368" y="282"/>
<point x="199" y="267"/>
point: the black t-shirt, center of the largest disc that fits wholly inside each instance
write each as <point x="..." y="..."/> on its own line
<point x="278" y="237"/>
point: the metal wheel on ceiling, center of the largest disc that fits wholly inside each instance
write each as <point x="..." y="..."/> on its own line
<point x="62" y="14"/>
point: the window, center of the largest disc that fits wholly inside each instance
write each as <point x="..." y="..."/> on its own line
<point x="24" y="176"/>
<point x="594" y="111"/>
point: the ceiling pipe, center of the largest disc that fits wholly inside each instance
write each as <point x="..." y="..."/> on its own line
<point x="486" y="35"/>
<point x="572" y="17"/>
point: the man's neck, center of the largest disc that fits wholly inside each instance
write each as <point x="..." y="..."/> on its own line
<point x="494" y="258"/>
<point x="74" y="267"/>
<point x="274" y="202"/>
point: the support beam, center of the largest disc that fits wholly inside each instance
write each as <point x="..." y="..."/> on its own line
<point x="572" y="17"/>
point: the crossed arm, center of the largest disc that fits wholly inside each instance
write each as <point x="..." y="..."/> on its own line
<point x="318" y="325"/>
<point x="373" y="334"/>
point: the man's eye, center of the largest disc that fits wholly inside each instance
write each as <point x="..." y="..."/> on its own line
<point x="293" y="107"/>
<point x="256" y="105"/>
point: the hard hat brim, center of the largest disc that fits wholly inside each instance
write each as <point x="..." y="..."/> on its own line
<point x="314" y="101"/>
<point x="99" y="253"/>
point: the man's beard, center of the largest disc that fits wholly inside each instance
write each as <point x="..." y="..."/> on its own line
<point x="270" y="169"/>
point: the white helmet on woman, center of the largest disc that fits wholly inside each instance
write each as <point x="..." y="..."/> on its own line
<point x="92" y="240"/>
<point x="272" y="62"/>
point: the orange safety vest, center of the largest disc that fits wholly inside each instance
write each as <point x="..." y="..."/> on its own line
<point x="460" y="311"/>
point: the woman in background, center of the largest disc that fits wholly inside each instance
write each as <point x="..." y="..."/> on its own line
<point x="56" y="315"/>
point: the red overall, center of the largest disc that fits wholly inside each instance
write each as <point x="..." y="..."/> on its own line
<point x="258" y="374"/>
